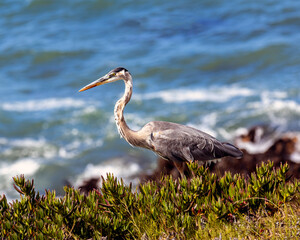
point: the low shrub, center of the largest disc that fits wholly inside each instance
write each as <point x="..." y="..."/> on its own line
<point x="181" y="208"/>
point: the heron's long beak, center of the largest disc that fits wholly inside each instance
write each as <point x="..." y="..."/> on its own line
<point x="96" y="83"/>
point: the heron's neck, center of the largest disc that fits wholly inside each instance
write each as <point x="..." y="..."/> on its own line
<point x="123" y="129"/>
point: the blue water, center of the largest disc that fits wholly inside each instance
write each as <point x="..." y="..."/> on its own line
<point x="219" y="66"/>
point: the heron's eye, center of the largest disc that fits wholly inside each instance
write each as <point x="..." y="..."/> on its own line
<point x="112" y="74"/>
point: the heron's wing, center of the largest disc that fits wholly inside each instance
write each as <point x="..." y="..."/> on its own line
<point x="179" y="142"/>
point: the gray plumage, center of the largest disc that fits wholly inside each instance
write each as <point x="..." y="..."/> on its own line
<point x="175" y="141"/>
<point x="171" y="141"/>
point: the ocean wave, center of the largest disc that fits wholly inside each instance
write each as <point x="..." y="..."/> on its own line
<point x="77" y="146"/>
<point x="213" y="94"/>
<point x="295" y="157"/>
<point x="27" y="166"/>
<point x="279" y="105"/>
<point x="279" y="109"/>
<point x="42" y="104"/>
<point x="27" y="148"/>
<point x="26" y="142"/>
<point x="255" y="148"/>
<point x="126" y="169"/>
<point x="46" y="150"/>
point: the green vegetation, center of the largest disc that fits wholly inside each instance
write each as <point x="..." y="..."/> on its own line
<point x="262" y="205"/>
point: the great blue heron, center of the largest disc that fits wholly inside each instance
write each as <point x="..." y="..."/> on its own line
<point x="171" y="141"/>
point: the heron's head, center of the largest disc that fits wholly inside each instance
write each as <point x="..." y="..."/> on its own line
<point x="116" y="74"/>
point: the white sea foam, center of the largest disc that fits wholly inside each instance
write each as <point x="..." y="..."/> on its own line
<point x="119" y="167"/>
<point x="279" y="105"/>
<point x="3" y="141"/>
<point x="274" y="102"/>
<point x="72" y="149"/>
<point x="254" y="148"/>
<point x="35" y="148"/>
<point x="89" y="109"/>
<point x="278" y="109"/>
<point x="264" y="142"/>
<point x="40" y="148"/>
<point x="25" y="166"/>
<point x="213" y="94"/>
<point x="28" y="142"/>
<point x="295" y="157"/>
<point x="42" y="104"/>
<point x="263" y="139"/>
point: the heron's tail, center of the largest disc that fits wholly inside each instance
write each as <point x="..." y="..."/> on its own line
<point x="232" y="150"/>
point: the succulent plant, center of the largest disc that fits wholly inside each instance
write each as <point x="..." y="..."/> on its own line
<point x="117" y="211"/>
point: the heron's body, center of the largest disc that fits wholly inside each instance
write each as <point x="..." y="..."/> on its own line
<point x="171" y="141"/>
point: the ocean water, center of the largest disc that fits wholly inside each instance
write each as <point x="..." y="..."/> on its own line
<point x="220" y="66"/>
